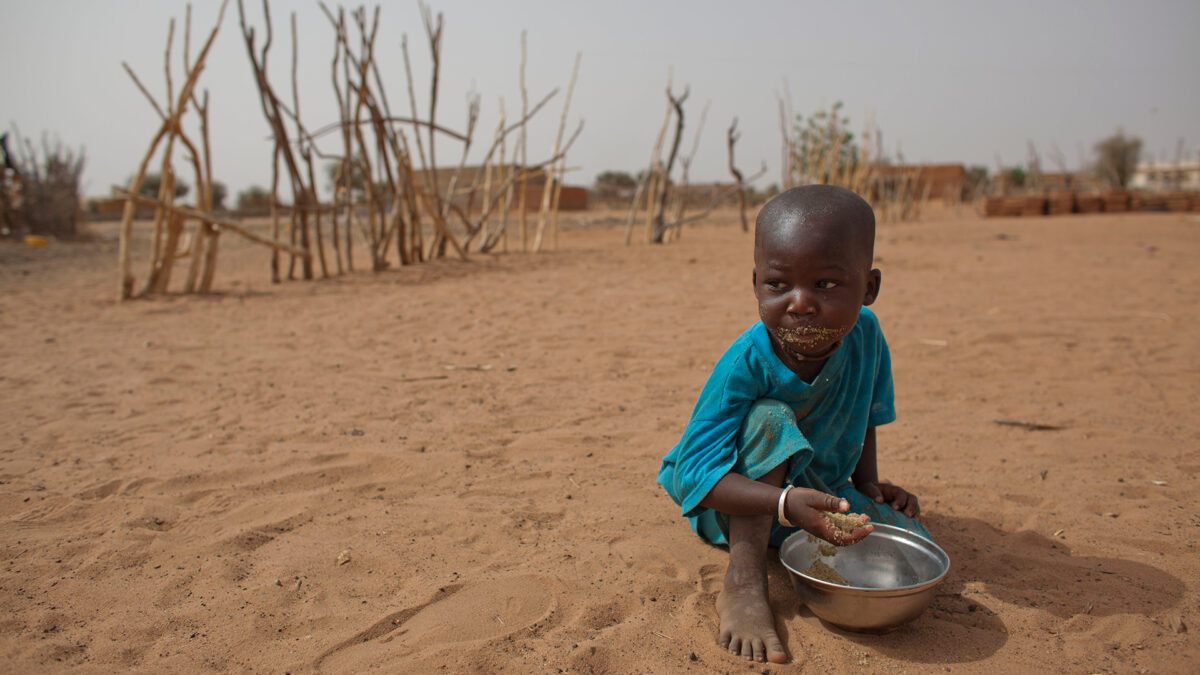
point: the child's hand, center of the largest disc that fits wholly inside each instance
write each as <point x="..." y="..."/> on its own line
<point x="806" y="509"/>
<point x="895" y="496"/>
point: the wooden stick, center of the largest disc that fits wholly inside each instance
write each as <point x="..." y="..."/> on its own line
<point x="731" y="137"/>
<point x="685" y="164"/>
<point x="206" y="202"/>
<point x="714" y="203"/>
<point x="548" y="187"/>
<point x="219" y="223"/>
<point x="522" y="147"/>
<point x="677" y="103"/>
<point x="142" y="88"/>
<point x="275" y="278"/>
<point x="125" y="289"/>
<point x="651" y="173"/>
<point x="558" y="188"/>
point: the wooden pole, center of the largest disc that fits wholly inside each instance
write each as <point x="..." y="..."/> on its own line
<point x="219" y="223"/>
<point x="125" y="289"/>
<point x="731" y="137"/>
<point x="677" y="103"/>
<point x="548" y="186"/>
<point x="522" y="147"/>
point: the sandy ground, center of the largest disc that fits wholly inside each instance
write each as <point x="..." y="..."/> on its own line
<point x="178" y="477"/>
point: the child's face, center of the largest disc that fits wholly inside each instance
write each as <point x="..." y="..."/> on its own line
<point x="811" y="283"/>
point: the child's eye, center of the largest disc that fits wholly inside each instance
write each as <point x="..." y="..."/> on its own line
<point x="827" y="284"/>
<point x="774" y="285"/>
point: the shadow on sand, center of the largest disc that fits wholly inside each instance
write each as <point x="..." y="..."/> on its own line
<point x="1025" y="569"/>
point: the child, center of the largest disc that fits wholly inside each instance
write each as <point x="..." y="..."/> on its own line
<point x="787" y="418"/>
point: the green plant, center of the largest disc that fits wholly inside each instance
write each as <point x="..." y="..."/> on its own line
<point x="825" y="150"/>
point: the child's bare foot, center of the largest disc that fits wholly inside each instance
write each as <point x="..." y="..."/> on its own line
<point x="747" y="624"/>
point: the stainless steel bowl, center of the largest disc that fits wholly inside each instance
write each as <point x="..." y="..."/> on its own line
<point x="892" y="573"/>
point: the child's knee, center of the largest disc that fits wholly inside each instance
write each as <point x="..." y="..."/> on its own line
<point x="760" y="447"/>
<point x="767" y="422"/>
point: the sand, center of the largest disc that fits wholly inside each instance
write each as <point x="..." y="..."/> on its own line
<point x="451" y="467"/>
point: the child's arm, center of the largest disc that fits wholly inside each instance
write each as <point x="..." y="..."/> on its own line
<point x="866" y="481"/>
<point x="737" y="495"/>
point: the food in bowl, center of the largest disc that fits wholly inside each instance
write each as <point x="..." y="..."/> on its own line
<point x="889" y="578"/>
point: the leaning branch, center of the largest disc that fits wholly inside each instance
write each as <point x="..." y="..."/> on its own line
<point x="219" y="223"/>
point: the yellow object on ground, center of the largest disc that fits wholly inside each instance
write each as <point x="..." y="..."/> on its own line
<point x="35" y="241"/>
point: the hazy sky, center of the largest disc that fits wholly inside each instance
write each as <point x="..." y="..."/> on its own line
<point x="969" y="82"/>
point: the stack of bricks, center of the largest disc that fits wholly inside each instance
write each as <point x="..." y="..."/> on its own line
<point x="1088" y="203"/>
<point x="1181" y="201"/>
<point x="1061" y="203"/>
<point x="1033" y="205"/>
<point x="1148" y="201"/>
<point x="1116" y="201"/>
<point x="993" y="206"/>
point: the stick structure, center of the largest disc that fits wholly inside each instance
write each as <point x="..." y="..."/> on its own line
<point x="386" y="194"/>
<point x="168" y="228"/>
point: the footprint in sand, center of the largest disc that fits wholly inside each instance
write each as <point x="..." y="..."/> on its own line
<point x="479" y="612"/>
<point x="473" y="612"/>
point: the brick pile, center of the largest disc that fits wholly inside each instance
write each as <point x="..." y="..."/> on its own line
<point x="1063" y="202"/>
<point x="1116" y="201"/>
<point x="1060" y="203"/>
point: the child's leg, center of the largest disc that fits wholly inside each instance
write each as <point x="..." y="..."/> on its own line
<point x="747" y="622"/>
<point x="880" y="513"/>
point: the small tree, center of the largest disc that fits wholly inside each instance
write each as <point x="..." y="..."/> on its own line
<point x="153" y="181"/>
<point x="976" y="182"/>
<point x="1117" y="157"/>
<point x="254" y="199"/>
<point x="614" y="184"/>
<point x="219" y="193"/>
<point x="1016" y="176"/>
<point x="825" y="149"/>
<point x="39" y="195"/>
<point x="358" y="180"/>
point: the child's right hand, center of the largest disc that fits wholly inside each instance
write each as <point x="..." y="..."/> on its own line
<point x="806" y="509"/>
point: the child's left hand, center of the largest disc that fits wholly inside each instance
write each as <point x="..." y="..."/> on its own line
<point x="895" y="496"/>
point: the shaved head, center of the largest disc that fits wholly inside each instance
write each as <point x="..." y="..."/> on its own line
<point x="821" y="211"/>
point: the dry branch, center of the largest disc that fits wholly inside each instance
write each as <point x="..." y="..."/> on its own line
<point x="546" y="187"/>
<point x="219" y="223"/>
<point x="731" y="137"/>
<point x="169" y="129"/>
<point x="659" y="227"/>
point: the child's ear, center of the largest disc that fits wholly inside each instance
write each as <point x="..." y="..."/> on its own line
<point x="874" y="279"/>
<point x="754" y="279"/>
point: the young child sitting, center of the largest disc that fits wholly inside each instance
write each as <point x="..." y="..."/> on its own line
<point x="785" y="427"/>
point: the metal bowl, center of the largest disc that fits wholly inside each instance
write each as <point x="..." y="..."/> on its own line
<point x="892" y="573"/>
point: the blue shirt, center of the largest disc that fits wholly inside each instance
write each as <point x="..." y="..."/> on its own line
<point x="852" y="392"/>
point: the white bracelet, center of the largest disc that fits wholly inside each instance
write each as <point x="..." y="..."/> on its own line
<point x="782" y="514"/>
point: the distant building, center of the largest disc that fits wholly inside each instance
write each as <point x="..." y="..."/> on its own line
<point x="1080" y="182"/>
<point x="570" y="198"/>
<point x="937" y="181"/>
<point x="1165" y="176"/>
